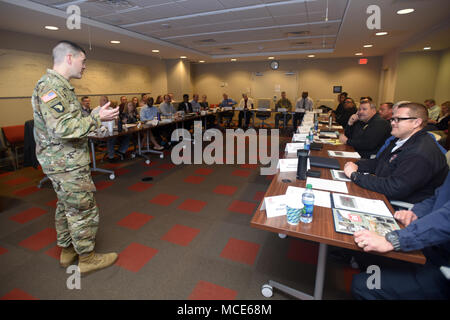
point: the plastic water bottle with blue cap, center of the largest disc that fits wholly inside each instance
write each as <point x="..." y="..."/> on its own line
<point x="308" y="205"/>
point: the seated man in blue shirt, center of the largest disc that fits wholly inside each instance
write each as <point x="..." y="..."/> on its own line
<point x="427" y="229"/>
<point x="226" y="102"/>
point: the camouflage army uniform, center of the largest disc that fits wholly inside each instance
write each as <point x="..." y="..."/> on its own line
<point x="60" y="132"/>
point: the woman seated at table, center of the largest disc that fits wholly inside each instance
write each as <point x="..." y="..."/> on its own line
<point x="131" y="116"/>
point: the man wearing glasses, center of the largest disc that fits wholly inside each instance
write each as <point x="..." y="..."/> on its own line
<point x="411" y="167"/>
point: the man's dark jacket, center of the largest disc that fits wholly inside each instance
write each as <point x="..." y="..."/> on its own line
<point x="368" y="137"/>
<point x="411" y="173"/>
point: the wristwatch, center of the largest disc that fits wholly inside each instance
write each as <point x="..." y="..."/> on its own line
<point x="353" y="175"/>
<point x="392" y="237"/>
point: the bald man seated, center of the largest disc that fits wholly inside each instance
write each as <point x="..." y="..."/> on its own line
<point x="366" y="131"/>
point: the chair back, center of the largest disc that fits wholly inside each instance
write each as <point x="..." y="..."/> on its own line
<point x="14" y="134"/>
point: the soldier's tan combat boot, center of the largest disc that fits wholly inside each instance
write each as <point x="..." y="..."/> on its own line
<point x="67" y="257"/>
<point x="95" y="261"/>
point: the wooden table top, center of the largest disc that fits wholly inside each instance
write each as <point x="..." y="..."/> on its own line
<point x="322" y="228"/>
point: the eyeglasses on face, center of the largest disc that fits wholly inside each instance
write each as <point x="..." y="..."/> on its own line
<point x="398" y="119"/>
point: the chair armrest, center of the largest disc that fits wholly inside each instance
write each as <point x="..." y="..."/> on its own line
<point x="402" y="204"/>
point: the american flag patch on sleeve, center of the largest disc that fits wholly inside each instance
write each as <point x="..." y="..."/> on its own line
<point x="49" y="96"/>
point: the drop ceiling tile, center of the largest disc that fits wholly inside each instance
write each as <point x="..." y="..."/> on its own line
<point x="295" y="8"/>
<point x="252" y="13"/>
<point x="202" y="5"/>
<point x="239" y="3"/>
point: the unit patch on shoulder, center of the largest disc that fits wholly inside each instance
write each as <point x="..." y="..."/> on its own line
<point x="49" y="96"/>
<point x="58" y="107"/>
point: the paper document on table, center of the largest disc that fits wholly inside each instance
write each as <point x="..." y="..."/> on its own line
<point x="239" y="108"/>
<point x="339" y="175"/>
<point x="288" y="165"/>
<point x="321" y="198"/>
<point x="293" y="147"/>
<point x="275" y="206"/>
<point x="299" y="110"/>
<point x="330" y="185"/>
<point x="282" y="109"/>
<point x="344" y="154"/>
<point x="347" y="202"/>
<point x="299" y="137"/>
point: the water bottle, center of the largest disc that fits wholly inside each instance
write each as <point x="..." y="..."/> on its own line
<point x="330" y="121"/>
<point x="308" y="205"/>
<point x="316" y="125"/>
<point x="307" y="144"/>
<point x="159" y="116"/>
<point x="311" y="135"/>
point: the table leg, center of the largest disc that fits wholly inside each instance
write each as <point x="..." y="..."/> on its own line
<point x="318" y="287"/>
<point x="94" y="163"/>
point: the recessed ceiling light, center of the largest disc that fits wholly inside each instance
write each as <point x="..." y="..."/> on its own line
<point x="368" y="46"/>
<point x="202" y="61"/>
<point x="115" y="41"/>
<point x="382" y="33"/>
<point x="183" y="57"/>
<point x="427" y="48"/>
<point x="405" y="11"/>
<point x="271" y="58"/>
<point x="358" y="54"/>
<point x="233" y="59"/>
<point x="311" y="56"/>
<point x="51" y="28"/>
<point x="155" y="51"/>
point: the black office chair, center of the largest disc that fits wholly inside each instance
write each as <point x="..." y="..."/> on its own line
<point x="228" y="117"/>
<point x="263" y="115"/>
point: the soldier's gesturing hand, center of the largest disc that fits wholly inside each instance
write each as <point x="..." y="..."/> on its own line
<point x="107" y="114"/>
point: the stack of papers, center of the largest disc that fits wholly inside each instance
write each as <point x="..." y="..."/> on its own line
<point x="339" y="175"/>
<point x="352" y="203"/>
<point x="299" y="137"/>
<point x="321" y="198"/>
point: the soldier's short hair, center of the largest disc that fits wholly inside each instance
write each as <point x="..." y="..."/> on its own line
<point x="84" y="98"/>
<point x="417" y="110"/>
<point x="63" y="48"/>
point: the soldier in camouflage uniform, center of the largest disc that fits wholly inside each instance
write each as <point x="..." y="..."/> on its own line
<point x="60" y="132"/>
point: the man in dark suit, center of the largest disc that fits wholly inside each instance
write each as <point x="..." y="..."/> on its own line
<point x="186" y="106"/>
<point x="366" y="130"/>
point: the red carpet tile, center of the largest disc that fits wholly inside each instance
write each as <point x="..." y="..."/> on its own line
<point x="39" y="240"/>
<point x="135" y="256"/>
<point x="242" y="207"/>
<point x="140" y="186"/>
<point x="151" y="164"/>
<point x="180" y="235"/>
<point x="135" y="220"/>
<point x="3" y="250"/>
<point x="240" y="251"/>
<point x="102" y="185"/>
<point x="54" y="252"/>
<point x="302" y="251"/>
<point x="259" y="195"/>
<point x="164" y="199"/>
<point x="226" y="190"/>
<point x="27" y="215"/>
<point x="15" y="182"/>
<point x="192" y="205"/>
<point x="17" y="294"/>
<point x="204" y="172"/>
<point x="121" y="171"/>
<point x="249" y="166"/>
<point x="153" y="172"/>
<point x="4" y="174"/>
<point x="194" y="179"/>
<point x="241" y="173"/>
<point x="210" y="291"/>
<point x="167" y="166"/>
<point x="112" y="166"/>
<point x="348" y="277"/>
<point x="52" y="203"/>
<point x="26" y="191"/>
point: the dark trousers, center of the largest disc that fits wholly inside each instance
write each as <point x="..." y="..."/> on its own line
<point x="248" y="116"/>
<point x="298" y="117"/>
<point x="281" y="116"/>
<point x="401" y="280"/>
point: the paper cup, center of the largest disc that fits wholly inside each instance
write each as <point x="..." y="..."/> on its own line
<point x="293" y="211"/>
